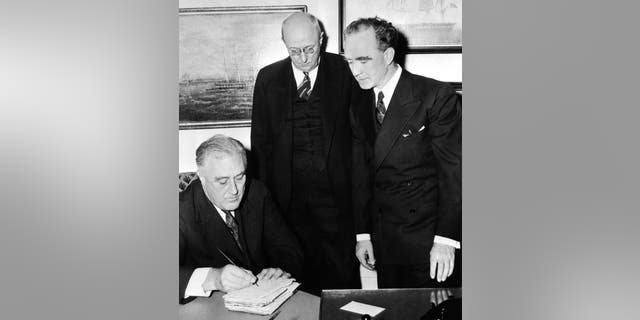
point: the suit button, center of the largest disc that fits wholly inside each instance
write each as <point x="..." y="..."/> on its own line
<point x="409" y="184"/>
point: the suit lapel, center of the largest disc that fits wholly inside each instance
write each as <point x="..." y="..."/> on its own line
<point x="369" y="118"/>
<point x="285" y="87"/>
<point x="398" y="114"/>
<point x="215" y="230"/>
<point x="329" y="92"/>
<point x="248" y="229"/>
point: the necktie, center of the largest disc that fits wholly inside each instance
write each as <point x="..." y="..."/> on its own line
<point x="380" y="109"/>
<point x="304" y="88"/>
<point x="233" y="227"/>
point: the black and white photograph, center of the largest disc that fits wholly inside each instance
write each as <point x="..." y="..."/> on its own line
<point x="318" y="146"/>
<point x="320" y="160"/>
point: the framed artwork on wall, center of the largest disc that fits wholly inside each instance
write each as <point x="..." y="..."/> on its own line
<point x="428" y="25"/>
<point x="221" y="51"/>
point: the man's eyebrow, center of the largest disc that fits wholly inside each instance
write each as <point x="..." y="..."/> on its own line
<point x="364" y="58"/>
<point x="240" y="174"/>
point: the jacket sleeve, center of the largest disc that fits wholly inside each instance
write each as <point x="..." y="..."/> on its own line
<point x="185" y="271"/>
<point x="445" y="129"/>
<point x="362" y="155"/>
<point x="282" y="247"/>
<point x="261" y="141"/>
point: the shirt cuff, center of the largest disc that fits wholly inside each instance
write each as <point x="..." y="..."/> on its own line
<point x="447" y="241"/>
<point x="363" y="237"/>
<point x="194" y="287"/>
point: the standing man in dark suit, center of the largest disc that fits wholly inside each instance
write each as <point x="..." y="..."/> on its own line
<point x="409" y="142"/>
<point x="301" y="137"/>
<point x="230" y="228"/>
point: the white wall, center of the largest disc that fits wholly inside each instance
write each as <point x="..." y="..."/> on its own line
<point x="445" y="67"/>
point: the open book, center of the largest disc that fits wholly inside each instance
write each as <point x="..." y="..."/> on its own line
<point x="262" y="298"/>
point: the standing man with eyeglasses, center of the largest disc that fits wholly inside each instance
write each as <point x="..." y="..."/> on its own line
<point x="301" y="140"/>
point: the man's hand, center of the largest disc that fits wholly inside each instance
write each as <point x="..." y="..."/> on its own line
<point x="441" y="256"/>
<point x="439" y="296"/>
<point x="273" y="273"/>
<point x="228" y="278"/>
<point x="364" y="252"/>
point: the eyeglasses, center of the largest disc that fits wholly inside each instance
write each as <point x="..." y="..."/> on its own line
<point x="306" y="50"/>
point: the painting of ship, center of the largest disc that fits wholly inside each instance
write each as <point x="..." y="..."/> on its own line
<point x="221" y="52"/>
<point x="425" y="23"/>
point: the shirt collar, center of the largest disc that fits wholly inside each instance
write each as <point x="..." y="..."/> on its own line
<point x="299" y="74"/>
<point x="222" y="214"/>
<point x="389" y="87"/>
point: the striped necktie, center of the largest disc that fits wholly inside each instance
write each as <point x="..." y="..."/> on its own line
<point x="380" y="109"/>
<point x="233" y="227"/>
<point x="304" y="90"/>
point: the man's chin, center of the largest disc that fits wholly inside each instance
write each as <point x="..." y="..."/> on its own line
<point x="232" y="205"/>
<point x="306" y="68"/>
<point x="365" y="85"/>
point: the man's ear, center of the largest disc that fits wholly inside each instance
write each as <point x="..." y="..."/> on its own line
<point x="389" y="54"/>
<point x="321" y="38"/>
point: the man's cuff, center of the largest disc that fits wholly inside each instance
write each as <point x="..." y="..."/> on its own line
<point x="447" y="241"/>
<point x="194" y="287"/>
<point x="363" y="237"/>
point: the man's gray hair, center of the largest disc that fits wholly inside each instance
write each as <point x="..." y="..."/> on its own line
<point x="218" y="146"/>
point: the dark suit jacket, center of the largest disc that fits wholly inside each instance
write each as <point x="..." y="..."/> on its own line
<point x="271" y="133"/>
<point x="414" y="167"/>
<point x="263" y="232"/>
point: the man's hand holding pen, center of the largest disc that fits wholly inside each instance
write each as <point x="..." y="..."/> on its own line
<point x="273" y="273"/>
<point x="228" y="278"/>
<point x="232" y="277"/>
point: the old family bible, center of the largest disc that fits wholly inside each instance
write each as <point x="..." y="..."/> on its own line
<point x="262" y="298"/>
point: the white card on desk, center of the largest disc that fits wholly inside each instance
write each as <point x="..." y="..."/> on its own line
<point x="362" y="308"/>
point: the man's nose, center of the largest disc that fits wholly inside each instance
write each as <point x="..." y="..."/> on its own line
<point x="354" y="69"/>
<point x="304" y="57"/>
<point x="233" y="188"/>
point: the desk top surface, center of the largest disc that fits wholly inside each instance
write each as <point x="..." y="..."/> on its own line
<point x="301" y="306"/>
<point x="398" y="303"/>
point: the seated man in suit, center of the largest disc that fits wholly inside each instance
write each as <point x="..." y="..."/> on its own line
<point x="231" y="233"/>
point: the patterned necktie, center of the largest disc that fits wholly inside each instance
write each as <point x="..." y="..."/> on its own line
<point x="380" y="109"/>
<point x="305" y="87"/>
<point x="233" y="227"/>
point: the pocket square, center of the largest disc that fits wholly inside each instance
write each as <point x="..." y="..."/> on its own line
<point x="407" y="134"/>
<point x="422" y="128"/>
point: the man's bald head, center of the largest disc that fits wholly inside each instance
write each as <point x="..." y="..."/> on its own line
<point x="301" y="20"/>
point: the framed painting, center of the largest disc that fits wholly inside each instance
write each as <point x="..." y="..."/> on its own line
<point x="428" y="25"/>
<point x="221" y="51"/>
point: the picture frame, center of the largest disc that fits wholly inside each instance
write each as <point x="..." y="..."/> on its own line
<point x="430" y="26"/>
<point x="221" y="50"/>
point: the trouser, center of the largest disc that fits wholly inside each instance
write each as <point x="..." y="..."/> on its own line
<point x="416" y="275"/>
<point x="328" y="245"/>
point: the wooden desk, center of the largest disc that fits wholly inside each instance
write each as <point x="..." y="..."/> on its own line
<point x="398" y="303"/>
<point x="301" y="306"/>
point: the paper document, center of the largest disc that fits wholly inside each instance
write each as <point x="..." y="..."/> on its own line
<point x="262" y="298"/>
<point x="361" y="308"/>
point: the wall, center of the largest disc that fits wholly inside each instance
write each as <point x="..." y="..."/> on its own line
<point x="445" y="67"/>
